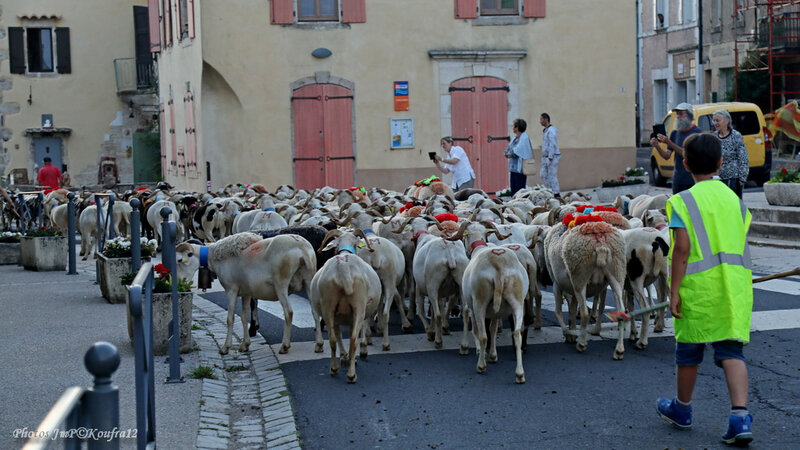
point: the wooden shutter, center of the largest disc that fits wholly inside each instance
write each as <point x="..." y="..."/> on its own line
<point x="533" y="8"/>
<point x="162" y="131"/>
<point x="172" y="141"/>
<point x="152" y="24"/>
<point x="64" y="64"/>
<point x="281" y="12"/>
<point x="16" y="47"/>
<point x="191" y="136"/>
<point x="167" y="19"/>
<point x="354" y="11"/>
<point x="190" y="17"/>
<point x="466" y="9"/>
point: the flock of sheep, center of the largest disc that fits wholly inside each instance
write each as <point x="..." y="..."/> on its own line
<point x="356" y="252"/>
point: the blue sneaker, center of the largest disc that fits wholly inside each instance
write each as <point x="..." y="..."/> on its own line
<point x="739" y="432"/>
<point x="674" y="414"/>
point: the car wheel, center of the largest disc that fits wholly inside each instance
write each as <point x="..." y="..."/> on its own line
<point x="656" y="179"/>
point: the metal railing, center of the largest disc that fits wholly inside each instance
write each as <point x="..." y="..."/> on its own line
<point x="85" y="415"/>
<point x="132" y="76"/>
<point x="785" y="33"/>
<point x="141" y="308"/>
<point x="30" y="210"/>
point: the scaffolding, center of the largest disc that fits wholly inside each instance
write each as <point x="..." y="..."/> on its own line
<point x="772" y="44"/>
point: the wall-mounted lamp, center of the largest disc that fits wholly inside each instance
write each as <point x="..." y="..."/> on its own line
<point x="130" y="105"/>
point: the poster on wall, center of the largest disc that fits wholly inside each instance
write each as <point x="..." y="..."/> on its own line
<point x="401" y="96"/>
<point x="402" y="132"/>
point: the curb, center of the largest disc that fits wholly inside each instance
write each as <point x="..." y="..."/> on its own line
<point x="791" y="245"/>
<point x="248" y="405"/>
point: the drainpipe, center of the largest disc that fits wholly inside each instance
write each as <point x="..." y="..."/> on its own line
<point x="638" y="73"/>
<point x="700" y="73"/>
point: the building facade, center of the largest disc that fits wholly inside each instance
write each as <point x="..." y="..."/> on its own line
<point x="350" y="92"/>
<point x="70" y="88"/>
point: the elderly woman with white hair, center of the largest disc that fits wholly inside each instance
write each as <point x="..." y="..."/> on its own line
<point x="735" y="163"/>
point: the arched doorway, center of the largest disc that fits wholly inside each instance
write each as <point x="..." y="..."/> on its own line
<point x="323" y="136"/>
<point x="479" y="116"/>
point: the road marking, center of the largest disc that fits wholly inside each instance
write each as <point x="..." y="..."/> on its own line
<point x="301" y="310"/>
<point x="304" y="351"/>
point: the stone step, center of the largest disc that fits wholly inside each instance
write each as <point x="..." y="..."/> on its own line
<point x="776" y="214"/>
<point x="778" y="243"/>
<point x="775" y="230"/>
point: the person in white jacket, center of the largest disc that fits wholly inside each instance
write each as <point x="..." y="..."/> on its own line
<point x="518" y="150"/>
<point x="550" y="155"/>
<point x="457" y="162"/>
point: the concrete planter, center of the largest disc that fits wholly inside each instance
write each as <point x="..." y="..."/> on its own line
<point x="10" y="253"/>
<point x="644" y="178"/>
<point x="782" y="194"/>
<point x="44" y="253"/>
<point x="609" y="194"/>
<point x="111" y="271"/>
<point x="162" y="314"/>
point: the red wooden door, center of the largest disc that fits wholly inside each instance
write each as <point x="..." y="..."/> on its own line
<point x="479" y="108"/>
<point x="323" y="136"/>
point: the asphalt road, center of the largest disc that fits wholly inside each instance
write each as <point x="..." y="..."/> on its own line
<point x="420" y="398"/>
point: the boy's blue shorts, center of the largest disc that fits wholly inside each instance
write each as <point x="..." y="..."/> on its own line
<point x="689" y="354"/>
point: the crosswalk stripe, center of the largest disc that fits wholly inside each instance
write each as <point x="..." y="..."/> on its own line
<point x="304" y="351"/>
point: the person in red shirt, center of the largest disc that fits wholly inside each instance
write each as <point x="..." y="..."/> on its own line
<point x="49" y="175"/>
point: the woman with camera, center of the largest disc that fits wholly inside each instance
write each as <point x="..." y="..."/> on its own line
<point x="456" y="162"/>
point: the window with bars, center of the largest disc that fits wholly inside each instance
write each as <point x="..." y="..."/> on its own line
<point x="499" y="7"/>
<point x="317" y="10"/>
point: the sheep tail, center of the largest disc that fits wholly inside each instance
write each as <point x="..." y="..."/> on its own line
<point x="497" y="299"/>
<point x="603" y="256"/>
<point x="451" y="259"/>
<point x="346" y="279"/>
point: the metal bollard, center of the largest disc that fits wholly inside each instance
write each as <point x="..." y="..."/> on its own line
<point x="169" y="259"/>
<point x="22" y="213"/>
<point x="99" y="236"/>
<point x="101" y="402"/>
<point x="136" y="241"/>
<point x="110" y="217"/>
<point x="40" y="209"/>
<point x="71" y="235"/>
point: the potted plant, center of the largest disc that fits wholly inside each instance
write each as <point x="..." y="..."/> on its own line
<point x="115" y="261"/>
<point x="637" y="173"/>
<point x="609" y="190"/>
<point x="43" y="249"/>
<point x="162" y="310"/>
<point x="9" y="247"/>
<point x="783" y="189"/>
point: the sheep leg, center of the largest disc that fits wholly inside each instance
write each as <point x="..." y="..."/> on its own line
<point x="332" y="338"/>
<point x="662" y="288"/>
<point x="616" y="287"/>
<point x="398" y="300"/>
<point x="479" y="331"/>
<point x="464" y="349"/>
<point x="420" y="299"/>
<point x="283" y="297"/>
<point x="580" y="298"/>
<point x="559" y="298"/>
<point x="537" y="319"/>
<point x="600" y="304"/>
<point x="317" y="327"/>
<point x="254" y="326"/>
<point x="232" y="295"/>
<point x="345" y="357"/>
<point x="638" y="292"/>
<point x="384" y="323"/>
<point x="493" y="324"/>
<point x="436" y="319"/>
<point x="245" y="316"/>
<point x="518" y="341"/>
<point x="355" y="330"/>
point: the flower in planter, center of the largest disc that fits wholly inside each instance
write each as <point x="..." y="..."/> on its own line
<point x="120" y="247"/>
<point x="786" y="176"/>
<point x="635" y="172"/>
<point x="163" y="281"/>
<point x="43" y="232"/>
<point x="9" y="237"/>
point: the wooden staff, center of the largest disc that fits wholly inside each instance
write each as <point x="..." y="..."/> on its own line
<point x="795" y="271"/>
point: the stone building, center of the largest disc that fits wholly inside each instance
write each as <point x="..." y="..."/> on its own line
<point x="355" y="92"/>
<point x="77" y="85"/>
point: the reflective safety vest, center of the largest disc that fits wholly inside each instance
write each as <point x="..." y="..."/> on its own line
<point x="717" y="289"/>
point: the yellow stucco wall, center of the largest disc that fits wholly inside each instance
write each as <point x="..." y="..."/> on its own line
<point x="580" y="68"/>
<point x="84" y="100"/>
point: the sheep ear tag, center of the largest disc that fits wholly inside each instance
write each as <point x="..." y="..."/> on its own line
<point x="361" y="245"/>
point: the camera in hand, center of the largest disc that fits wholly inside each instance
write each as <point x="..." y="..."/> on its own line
<point x="658" y="129"/>
<point x="432" y="156"/>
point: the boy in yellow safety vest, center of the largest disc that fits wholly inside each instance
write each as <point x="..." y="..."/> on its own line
<point x="711" y="288"/>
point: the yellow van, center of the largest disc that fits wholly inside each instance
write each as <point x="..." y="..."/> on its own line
<point x="747" y="119"/>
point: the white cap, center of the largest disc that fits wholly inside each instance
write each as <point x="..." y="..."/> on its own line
<point x="683" y="107"/>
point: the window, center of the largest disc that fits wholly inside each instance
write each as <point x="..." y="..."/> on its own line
<point x="39" y="50"/>
<point x="717" y="13"/>
<point x="659" y="14"/>
<point x="317" y="10"/>
<point x="685" y="11"/>
<point x="705" y="123"/>
<point x="499" y="7"/>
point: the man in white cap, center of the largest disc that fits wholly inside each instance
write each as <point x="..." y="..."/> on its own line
<point x="681" y="178"/>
